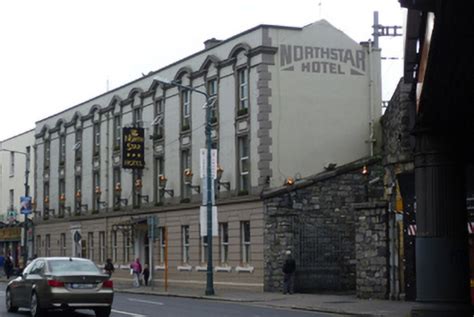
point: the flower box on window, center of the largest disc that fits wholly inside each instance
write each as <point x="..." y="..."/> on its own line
<point x="185" y="127"/>
<point x="243" y="192"/>
<point x="156" y="136"/>
<point x="242" y="112"/>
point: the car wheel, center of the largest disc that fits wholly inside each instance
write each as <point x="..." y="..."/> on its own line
<point x="11" y="308"/>
<point x="103" y="311"/>
<point x="35" y="309"/>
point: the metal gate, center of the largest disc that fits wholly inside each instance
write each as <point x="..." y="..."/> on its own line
<point x="320" y="259"/>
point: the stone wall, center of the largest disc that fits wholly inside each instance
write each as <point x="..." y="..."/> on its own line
<point x="397" y="124"/>
<point x="315" y="219"/>
<point x="371" y="247"/>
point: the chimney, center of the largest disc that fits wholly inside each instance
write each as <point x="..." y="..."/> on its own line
<point x="211" y="43"/>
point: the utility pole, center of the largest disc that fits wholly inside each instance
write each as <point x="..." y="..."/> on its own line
<point x="209" y="177"/>
<point x="382" y="30"/>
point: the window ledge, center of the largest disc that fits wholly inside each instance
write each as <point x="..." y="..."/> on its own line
<point x="185" y="268"/>
<point x="160" y="267"/>
<point x="227" y="269"/>
<point x="201" y="268"/>
<point x="101" y="266"/>
<point x="124" y="267"/>
<point x="244" y="269"/>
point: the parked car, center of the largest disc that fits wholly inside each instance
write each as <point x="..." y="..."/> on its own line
<point x="60" y="283"/>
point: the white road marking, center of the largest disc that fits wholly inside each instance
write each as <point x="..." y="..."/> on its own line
<point x="127" y="313"/>
<point x="145" y="301"/>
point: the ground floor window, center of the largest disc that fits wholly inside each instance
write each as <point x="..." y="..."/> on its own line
<point x="114" y="246"/>
<point x="224" y="242"/>
<point x="90" y="249"/>
<point x="162" y="244"/>
<point x="47" y="245"/>
<point x="62" y="244"/>
<point x="185" y="244"/>
<point x="102" y="246"/>
<point x="245" y="241"/>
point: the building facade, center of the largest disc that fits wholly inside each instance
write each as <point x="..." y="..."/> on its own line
<point x="14" y="172"/>
<point x="289" y="101"/>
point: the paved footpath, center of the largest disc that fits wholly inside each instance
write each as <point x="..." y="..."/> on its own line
<point x="338" y="304"/>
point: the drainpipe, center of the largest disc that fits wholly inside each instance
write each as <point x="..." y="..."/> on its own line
<point x="107" y="161"/>
<point x="371" y="100"/>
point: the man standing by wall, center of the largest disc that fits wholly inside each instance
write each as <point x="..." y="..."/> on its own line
<point x="289" y="268"/>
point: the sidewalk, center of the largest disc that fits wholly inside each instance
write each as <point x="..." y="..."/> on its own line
<point x="338" y="304"/>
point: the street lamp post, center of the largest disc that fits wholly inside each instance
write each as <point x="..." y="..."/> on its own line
<point x="209" y="100"/>
<point x="25" y="223"/>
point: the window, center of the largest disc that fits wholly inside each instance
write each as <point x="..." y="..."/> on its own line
<point x="204" y="249"/>
<point x="62" y="149"/>
<point x="62" y="244"/>
<point x="96" y="185"/>
<point x="212" y="92"/>
<point x="47" y="245"/>
<point x="102" y="246"/>
<point x="78" y="145"/>
<point x="243" y="90"/>
<point x="46" y="154"/>
<point x="162" y="244"/>
<point x="12" y="164"/>
<point x="114" y="245"/>
<point x="78" y="194"/>
<point x="185" y="244"/>
<point x="185" y="164"/>
<point x="96" y="146"/>
<point x="117" y="132"/>
<point x="137" y="178"/>
<point x="185" y="110"/>
<point x="244" y="163"/>
<point x="90" y="245"/>
<point x="245" y="241"/>
<point x="224" y="242"/>
<point x="158" y="122"/>
<point x="46" y="195"/>
<point x="117" y="187"/>
<point x="127" y="247"/>
<point x="38" y="245"/>
<point x="62" y="191"/>
<point x="137" y="116"/>
<point x="159" y="171"/>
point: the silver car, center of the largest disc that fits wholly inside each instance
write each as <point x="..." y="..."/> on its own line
<point x="60" y="283"/>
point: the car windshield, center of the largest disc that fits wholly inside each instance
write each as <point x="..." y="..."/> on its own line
<point x="72" y="266"/>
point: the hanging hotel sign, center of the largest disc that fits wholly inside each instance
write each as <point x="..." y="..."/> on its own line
<point x="133" y="149"/>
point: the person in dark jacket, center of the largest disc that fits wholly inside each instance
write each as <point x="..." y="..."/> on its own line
<point x="289" y="269"/>
<point x="109" y="267"/>
<point x="8" y="266"/>
<point x="146" y="274"/>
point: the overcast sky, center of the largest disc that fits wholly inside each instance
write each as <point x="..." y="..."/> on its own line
<point x="55" y="54"/>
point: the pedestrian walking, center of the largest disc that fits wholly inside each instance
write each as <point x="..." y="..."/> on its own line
<point x="109" y="267"/>
<point x="146" y="274"/>
<point x="289" y="269"/>
<point x="136" y="268"/>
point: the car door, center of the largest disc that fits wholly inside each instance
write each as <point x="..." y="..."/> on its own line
<point x="19" y="287"/>
<point x="34" y="279"/>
